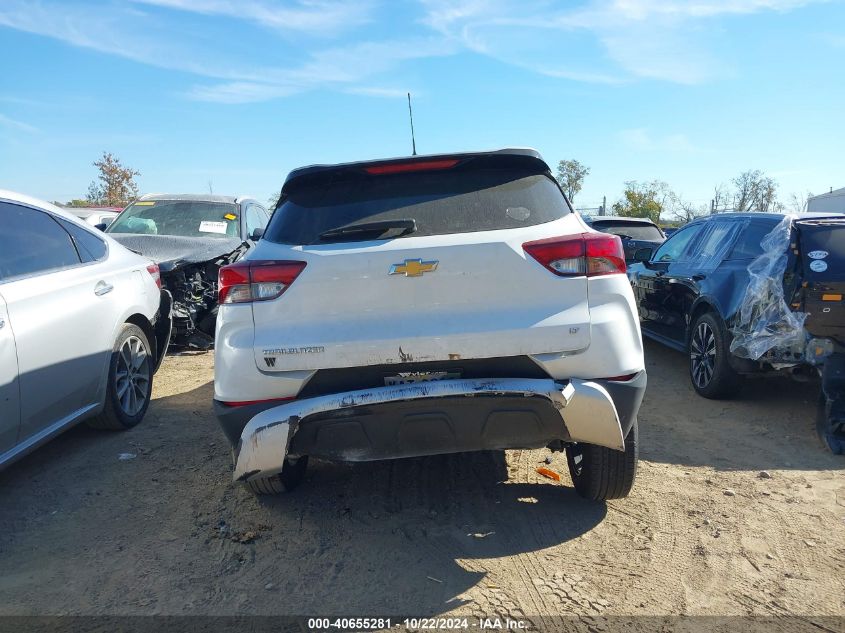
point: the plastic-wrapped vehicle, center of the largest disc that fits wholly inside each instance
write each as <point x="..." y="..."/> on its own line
<point x="745" y="293"/>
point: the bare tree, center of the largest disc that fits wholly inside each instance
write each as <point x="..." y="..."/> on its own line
<point x="685" y="211"/>
<point x="720" y="197"/>
<point x="798" y="201"/>
<point x="116" y="186"/>
<point x="755" y="192"/>
<point x="570" y="176"/>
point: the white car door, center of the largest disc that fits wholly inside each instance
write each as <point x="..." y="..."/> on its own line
<point x="60" y="299"/>
<point x="9" y="391"/>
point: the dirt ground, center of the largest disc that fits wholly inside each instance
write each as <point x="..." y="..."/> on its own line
<point x="167" y="532"/>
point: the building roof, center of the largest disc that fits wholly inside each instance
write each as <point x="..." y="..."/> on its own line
<point x="836" y="193"/>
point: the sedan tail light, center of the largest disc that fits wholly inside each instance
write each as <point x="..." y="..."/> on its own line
<point x="259" y="280"/>
<point x="590" y="254"/>
<point x="155" y="273"/>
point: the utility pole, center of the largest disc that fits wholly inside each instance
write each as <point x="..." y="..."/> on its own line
<point x="603" y="210"/>
<point x="411" y="116"/>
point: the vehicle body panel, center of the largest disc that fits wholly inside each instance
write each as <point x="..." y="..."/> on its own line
<point x="359" y="314"/>
<point x="65" y="323"/>
<point x="10" y="418"/>
<point x="585" y="412"/>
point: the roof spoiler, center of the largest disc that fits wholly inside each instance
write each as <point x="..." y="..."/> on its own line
<point x="522" y="158"/>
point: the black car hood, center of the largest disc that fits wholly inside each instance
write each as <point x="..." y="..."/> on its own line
<point x="170" y="251"/>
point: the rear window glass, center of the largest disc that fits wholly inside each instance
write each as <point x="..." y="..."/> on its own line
<point x="184" y="218"/>
<point x="439" y="203"/>
<point x="748" y="244"/>
<point x="633" y="230"/>
<point x="90" y="247"/>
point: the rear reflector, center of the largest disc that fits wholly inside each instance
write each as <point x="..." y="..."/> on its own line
<point x="832" y="297"/>
<point x="421" y="165"/>
<point x="590" y="254"/>
<point x="624" y="378"/>
<point x="260" y="280"/>
<point x="155" y="273"/>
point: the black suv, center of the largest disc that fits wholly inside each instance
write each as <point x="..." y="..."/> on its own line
<point x="638" y="235"/>
<point x="752" y="292"/>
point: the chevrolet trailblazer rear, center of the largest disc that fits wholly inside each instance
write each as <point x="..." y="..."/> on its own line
<point x="429" y="305"/>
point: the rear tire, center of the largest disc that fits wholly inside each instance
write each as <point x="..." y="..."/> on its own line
<point x="710" y="370"/>
<point x="291" y="476"/>
<point x="130" y="382"/>
<point x="600" y="473"/>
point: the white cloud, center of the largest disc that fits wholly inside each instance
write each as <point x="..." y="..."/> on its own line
<point x="655" y="39"/>
<point x="14" y="124"/>
<point x="314" y="17"/>
<point x="641" y="140"/>
<point x="596" y="41"/>
<point x="386" y="93"/>
<point x="341" y="68"/>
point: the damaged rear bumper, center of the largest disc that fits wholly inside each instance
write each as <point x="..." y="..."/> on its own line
<point x="432" y="418"/>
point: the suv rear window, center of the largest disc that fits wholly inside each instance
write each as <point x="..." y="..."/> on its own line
<point x="634" y="230"/>
<point x="439" y="202"/>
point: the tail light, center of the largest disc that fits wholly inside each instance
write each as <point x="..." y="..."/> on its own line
<point x="155" y="274"/>
<point x="590" y="254"/>
<point x="246" y="282"/>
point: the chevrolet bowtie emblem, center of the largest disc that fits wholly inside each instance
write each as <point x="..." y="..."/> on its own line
<point x="413" y="268"/>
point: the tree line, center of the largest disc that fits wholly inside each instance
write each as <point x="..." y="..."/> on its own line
<point x="751" y="190"/>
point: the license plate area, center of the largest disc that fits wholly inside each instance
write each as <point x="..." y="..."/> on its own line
<point x="412" y="377"/>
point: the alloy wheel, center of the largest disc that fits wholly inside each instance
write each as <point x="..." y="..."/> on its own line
<point x="132" y="377"/>
<point x="703" y="355"/>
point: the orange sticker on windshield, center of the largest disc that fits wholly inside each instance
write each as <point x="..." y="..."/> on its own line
<point x="230" y="216"/>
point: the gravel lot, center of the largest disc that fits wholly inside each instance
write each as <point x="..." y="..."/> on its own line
<point x="167" y="532"/>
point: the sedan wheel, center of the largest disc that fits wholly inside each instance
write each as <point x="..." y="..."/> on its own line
<point x="132" y="380"/>
<point x="130" y="385"/>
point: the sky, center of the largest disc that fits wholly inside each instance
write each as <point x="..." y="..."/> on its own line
<point x="230" y="95"/>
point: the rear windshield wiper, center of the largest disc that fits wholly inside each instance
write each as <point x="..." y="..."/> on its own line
<point x="376" y="229"/>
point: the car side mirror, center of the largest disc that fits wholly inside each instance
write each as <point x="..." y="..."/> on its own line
<point x="643" y="255"/>
<point x="256" y="234"/>
<point x="101" y="226"/>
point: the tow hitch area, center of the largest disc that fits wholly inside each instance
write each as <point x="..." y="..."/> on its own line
<point x="830" y="421"/>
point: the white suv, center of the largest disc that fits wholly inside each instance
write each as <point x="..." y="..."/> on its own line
<point x="427" y="305"/>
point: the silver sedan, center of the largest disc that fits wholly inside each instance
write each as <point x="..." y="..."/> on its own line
<point x="84" y="325"/>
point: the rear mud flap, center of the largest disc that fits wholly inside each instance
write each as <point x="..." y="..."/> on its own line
<point x="830" y="420"/>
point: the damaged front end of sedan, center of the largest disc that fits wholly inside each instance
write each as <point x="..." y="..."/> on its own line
<point x="188" y="268"/>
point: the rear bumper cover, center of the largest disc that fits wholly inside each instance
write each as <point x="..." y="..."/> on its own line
<point x="431" y="418"/>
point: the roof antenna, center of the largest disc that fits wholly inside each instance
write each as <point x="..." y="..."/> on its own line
<point x="411" y="115"/>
